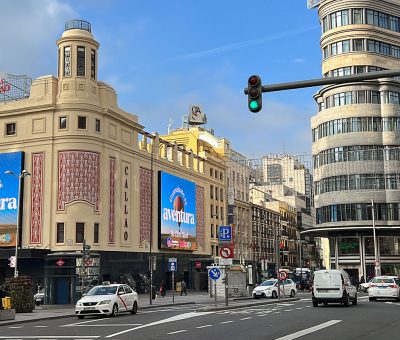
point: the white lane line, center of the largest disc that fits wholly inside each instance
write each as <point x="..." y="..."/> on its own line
<point x="40" y="326"/>
<point x="112" y="325"/>
<point x="204" y="326"/>
<point x="249" y="317"/>
<point x="15" y="326"/>
<point x="51" y="337"/>
<point x="171" y="319"/>
<point x="226" y="322"/>
<point x="309" y="330"/>
<point x="182" y="330"/>
<point x="288" y="310"/>
<point x="285" y="304"/>
<point x="299" y="307"/>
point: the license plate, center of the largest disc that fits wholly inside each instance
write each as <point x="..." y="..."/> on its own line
<point x="88" y="308"/>
<point x="382" y="287"/>
<point x="38" y="299"/>
<point x="258" y="293"/>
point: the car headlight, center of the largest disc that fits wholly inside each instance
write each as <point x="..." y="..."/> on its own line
<point x="79" y="303"/>
<point x="104" y="302"/>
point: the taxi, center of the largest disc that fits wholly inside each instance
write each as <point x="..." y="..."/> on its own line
<point x="384" y="287"/>
<point x="107" y="299"/>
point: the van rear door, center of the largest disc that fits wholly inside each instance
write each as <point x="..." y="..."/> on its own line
<point x="327" y="284"/>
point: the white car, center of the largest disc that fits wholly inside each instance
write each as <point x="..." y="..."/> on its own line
<point x="363" y="287"/>
<point x="386" y="287"/>
<point x="107" y="299"/>
<point x="269" y="289"/>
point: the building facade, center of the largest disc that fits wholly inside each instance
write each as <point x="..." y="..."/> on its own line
<point x="97" y="177"/>
<point x="356" y="137"/>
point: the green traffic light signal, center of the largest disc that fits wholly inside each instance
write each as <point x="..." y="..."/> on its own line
<point x="254" y="92"/>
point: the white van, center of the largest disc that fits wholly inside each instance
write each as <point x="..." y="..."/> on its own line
<point x="333" y="285"/>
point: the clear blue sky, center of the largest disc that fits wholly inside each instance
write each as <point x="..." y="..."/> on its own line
<point x="163" y="55"/>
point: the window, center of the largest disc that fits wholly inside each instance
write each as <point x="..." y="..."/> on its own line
<point x="97" y="125"/>
<point x="62" y="123"/>
<point x="81" y="122"/>
<point x="60" y="232"/>
<point x="93" y="64"/>
<point x="357" y="16"/>
<point x="211" y="191"/>
<point x="10" y="129"/>
<point x="358" y="45"/>
<point x="80" y="71"/>
<point x="79" y="232"/>
<point x="67" y="61"/>
<point x="96" y="233"/>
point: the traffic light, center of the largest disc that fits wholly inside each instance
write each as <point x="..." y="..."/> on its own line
<point x="86" y="252"/>
<point x="254" y="94"/>
<point x="12" y="261"/>
<point x="281" y="248"/>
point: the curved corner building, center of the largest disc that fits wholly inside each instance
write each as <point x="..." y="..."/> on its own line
<point x="356" y="137"/>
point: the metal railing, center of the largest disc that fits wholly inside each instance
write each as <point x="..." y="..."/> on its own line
<point x="78" y="24"/>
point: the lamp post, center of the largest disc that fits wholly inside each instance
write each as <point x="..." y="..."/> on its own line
<point x="377" y="265"/>
<point x="20" y="177"/>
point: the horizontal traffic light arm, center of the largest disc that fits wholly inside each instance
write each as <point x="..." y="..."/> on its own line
<point x="329" y="81"/>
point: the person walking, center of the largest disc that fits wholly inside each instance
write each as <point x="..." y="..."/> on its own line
<point x="183" y="287"/>
<point x="163" y="288"/>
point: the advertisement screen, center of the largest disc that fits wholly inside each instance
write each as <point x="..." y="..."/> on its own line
<point x="9" y="196"/>
<point x="177" y="202"/>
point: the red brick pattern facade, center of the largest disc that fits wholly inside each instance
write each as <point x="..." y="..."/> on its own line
<point x="78" y="178"/>
<point x="36" y="198"/>
<point x="145" y="205"/>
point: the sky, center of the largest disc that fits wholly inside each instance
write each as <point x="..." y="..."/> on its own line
<point x="161" y="56"/>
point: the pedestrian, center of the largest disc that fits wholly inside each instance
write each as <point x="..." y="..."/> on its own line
<point x="163" y="288"/>
<point x="183" y="287"/>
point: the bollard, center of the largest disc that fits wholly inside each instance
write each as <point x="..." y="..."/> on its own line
<point x="7" y="303"/>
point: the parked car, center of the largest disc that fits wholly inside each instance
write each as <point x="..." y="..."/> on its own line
<point x="269" y="289"/>
<point x="39" y="297"/>
<point x="107" y="299"/>
<point x="386" y="287"/>
<point x="333" y="286"/>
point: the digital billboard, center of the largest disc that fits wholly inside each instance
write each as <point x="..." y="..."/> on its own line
<point x="9" y="196"/>
<point x="177" y="213"/>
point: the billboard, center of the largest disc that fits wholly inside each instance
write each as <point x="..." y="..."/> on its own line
<point x="9" y="197"/>
<point x="177" y="212"/>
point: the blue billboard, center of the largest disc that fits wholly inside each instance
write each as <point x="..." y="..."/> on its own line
<point x="9" y="196"/>
<point x="177" y="213"/>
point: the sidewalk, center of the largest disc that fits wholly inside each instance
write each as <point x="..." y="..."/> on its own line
<point x="62" y="311"/>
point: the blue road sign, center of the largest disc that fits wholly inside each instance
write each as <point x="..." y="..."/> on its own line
<point x="214" y="273"/>
<point x="225" y="233"/>
<point x="172" y="264"/>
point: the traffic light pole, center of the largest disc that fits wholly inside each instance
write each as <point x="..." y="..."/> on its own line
<point x="329" y="81"/>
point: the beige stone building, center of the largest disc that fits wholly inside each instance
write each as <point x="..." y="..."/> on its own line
<point x="356" y="137"/>
<point x="98" y="177"/>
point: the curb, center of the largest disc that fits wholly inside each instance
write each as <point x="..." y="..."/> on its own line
<point x="269" y="302"/>
<point x="13" y="322"/>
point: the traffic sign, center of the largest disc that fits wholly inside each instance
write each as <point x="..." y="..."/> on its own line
<point x="226" y="252"/>
<point x="214" y="273"/>
<point x="282" y="275"/>
<point x="172" y="264"/>
<point x="60" y="262"/>
<point x="225" y="233"/>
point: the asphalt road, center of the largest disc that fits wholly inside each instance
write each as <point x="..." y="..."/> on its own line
<point x="290" y="320"/>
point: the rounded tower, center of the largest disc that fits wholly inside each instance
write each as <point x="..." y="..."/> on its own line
<point x="77" y="62"/>
<point x="356" y="137"/>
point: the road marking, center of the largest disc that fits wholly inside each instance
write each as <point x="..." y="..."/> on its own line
<point x="15" y="326"/>
<point x="51" y="337"/>
<point x="226" y="321"/>
<point x="172" y="319"/>
<point x="285" y="304"/>
<point x="204" y="326"/>
<point x="40" y="326"/>
<point x="309" y="330"/>
<point x="299" y="307"/>
<point x="249" y="317"/>
<point x="182" y="330"/>
<point x="288" y="310"/>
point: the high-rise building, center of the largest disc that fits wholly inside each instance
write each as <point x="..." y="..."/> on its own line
<point x="356" y="131"/>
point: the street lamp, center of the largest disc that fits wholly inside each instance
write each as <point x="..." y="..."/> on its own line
<point x="377" y="265"/>
<point x="20" y="177"/>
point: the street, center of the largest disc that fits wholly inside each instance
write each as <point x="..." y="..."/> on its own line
<point x="287" y="320"/>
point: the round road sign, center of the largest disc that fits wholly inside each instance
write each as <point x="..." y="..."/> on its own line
<point x="282" y="275"/>
<point x="225" y="252"/>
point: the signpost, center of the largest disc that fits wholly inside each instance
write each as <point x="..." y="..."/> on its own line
<point x="214" y="274"/>
<point x="172" y="268"/>
<point x="225" y="234"/>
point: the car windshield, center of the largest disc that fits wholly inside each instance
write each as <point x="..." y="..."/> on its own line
<point x="101" y="290"/>
<point x="268" y="283"/>
<point x="382" y="280"/>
